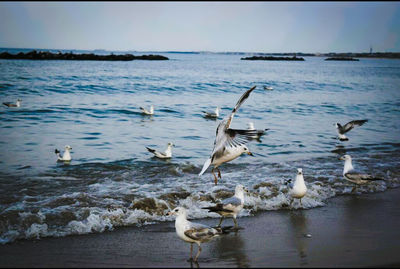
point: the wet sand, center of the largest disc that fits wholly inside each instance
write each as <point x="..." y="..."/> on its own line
<point x="350" y="231"/>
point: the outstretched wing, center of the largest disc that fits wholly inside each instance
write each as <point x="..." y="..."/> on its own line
<point x="238" y="104"/>
<point x="350" y="125"/>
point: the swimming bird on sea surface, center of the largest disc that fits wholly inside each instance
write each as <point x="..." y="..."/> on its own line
<point x="354" y="176"/>
<point x="192" y="232"/>
<point x="162" y="155"/>
<point x="17" y="104"/>
<point x="66" y="156"/>
<point x="268" y="88"/>
<point x="347" y="127"/>
<point x="147" y="112"/>
<point x="298" y="188"/>
<point x="229" y="143"/>
<point x="250" y="126"/>
<point x="231" y="206"/>
<point x="211" y="115"/>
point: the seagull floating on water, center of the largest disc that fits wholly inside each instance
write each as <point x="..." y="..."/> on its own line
<point x="66" y="156"/>
<point x="17" y="104"/>
<point x="162" y="155"/>
<point x="229" y="143"/>
<point x="347" y="127"/>
<point x="192" y="232"/>
<point x="230" y="207"/>
<point x="298" y="188"/>
<point x="354" y="176"/>
<point x="250" y="126"/>
<point x="268" y="88"/>
<point x="147" y="112"/>
<point x="211" y="115"/>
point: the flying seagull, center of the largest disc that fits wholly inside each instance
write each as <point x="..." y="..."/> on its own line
<point x="147" y="112"/>
<point x="17" y="104"/>
<point x="298" y="188"/>
<point x="192" y="232"/>
<point x="211" y="115"/>
<point x="66" y="156"/>
<point x="354" y="176"/>
<point x="231" y="206"/>
<point x="229" y="143"/>
<point x="162" y="155"/>
<point x="347" y="127"/>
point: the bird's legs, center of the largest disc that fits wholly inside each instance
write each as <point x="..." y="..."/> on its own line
<point x="220" y="221"/>
<point x="198" y="253"/>
<point x="219" y="172"/>
<point x="354" y="188"/>
<point x="301" y="203"/>
<point x="191" y="252"/>
<point x="236" y="224"/>
<point x="215" y="177"/>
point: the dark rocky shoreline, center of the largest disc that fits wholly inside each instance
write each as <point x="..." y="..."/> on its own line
<point x="272" y="58"/>
<point x="46" y="55"/>
<point x="341" y="59"/>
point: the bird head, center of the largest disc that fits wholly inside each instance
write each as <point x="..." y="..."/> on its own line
<point x="299" y="171"/>
<point x="177" y="211"/>
<point x="246" y="150"/>
<point x="68" y="147"/>
<point x="345" y="157"/>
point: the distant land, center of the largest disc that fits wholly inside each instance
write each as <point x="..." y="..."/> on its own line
<point x="272" y="58"/>
<point x="341" y="59"/>
<point x="47" y="55"/>
<point x="387" y="55"/>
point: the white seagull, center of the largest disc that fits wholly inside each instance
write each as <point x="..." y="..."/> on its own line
<point x="162" y="155"/>
<point x="17" y="104"/>
<point x="250" y="126"/>
<point x="211" y="115"/>
<point x="268" y="88"/>
<point x="354" y="176"/>
<point x="147" y="112"/>
<point x="192" y="232"/>
<point x="229" y="143"/>
<point x="66" y="156"/>
<point x="347" y="127"/>
<point x="298" y="188"/>
<point x="231" y="206"/>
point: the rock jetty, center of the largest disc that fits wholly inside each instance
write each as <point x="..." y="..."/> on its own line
<point x="272" y="58"/>
<point x="341" y="59"/>
<point x="46" y="55"/>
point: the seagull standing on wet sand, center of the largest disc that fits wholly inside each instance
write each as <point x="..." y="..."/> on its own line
<point x="231" y="206"/>
<point x="192" y="232"/>
<point x="298" y="188"/>
<point x="17" y="104"/>
<point x="211" y="115"/>
<point x="162" y="155"/>
<point x="347" y="127"/>
<point x="354" y="176"/>
<point x="229" y="143"/>
<point x="66" y="156"/>
<point x="147" y="112"/>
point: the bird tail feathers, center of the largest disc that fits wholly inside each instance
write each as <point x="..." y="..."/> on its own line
<point x="205" y="166"/>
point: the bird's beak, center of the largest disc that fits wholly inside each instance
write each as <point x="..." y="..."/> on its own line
<point x="341" y="158"/>
<point x="249" y="153"/>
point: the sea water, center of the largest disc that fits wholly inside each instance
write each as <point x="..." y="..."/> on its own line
<point x="113" y="180"/>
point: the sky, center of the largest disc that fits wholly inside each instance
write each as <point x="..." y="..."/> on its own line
<point x="268" y="27"/>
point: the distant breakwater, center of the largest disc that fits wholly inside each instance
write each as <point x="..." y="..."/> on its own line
<point x="272" y="58"/>
<point x="341" y="59"/>
<point x="46" y="55"/>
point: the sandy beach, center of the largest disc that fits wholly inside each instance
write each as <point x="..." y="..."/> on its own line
<point x="350" y="231"/>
